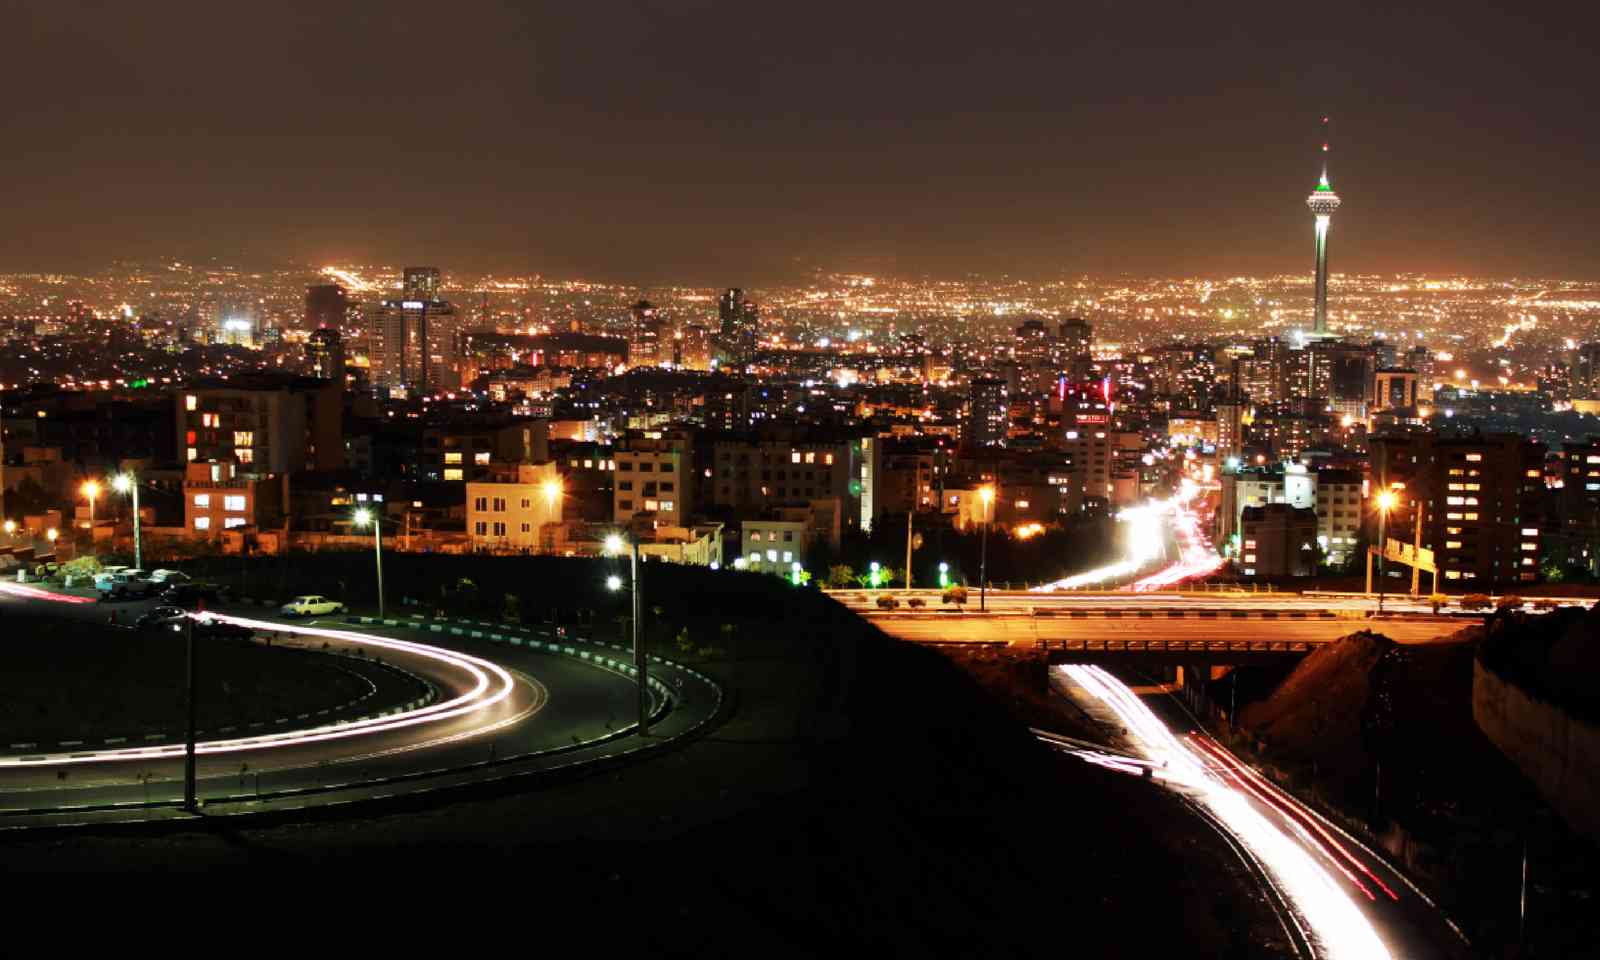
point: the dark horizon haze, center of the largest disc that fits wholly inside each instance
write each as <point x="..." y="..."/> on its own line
<point x="714" y="143"/>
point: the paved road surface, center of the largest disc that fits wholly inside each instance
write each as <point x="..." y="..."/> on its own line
<point x="1337" y="893"/>
<point x="496" y="702"/>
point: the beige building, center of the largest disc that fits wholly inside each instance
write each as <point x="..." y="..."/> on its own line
<point x="216" y="497"/>
<point x="653" y="475"/>
<point x="519" y="516"/>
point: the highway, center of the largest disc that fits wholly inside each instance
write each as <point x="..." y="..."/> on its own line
<point x="1337" y="898"/>
<point x="497" y="708"/>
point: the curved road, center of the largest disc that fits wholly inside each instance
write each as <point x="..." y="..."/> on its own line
<point x="500" y="709"/>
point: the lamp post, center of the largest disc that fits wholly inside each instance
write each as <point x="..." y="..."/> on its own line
<point x="91" y="490"/>
<point x="363" y="517"/>
<point x="552" y="496"/>
<point x="51" y="535"/>
<point x="986" y="494"/>
<point x="614" y="544"/>
<point x="1386" y="502"/>
<point x="11" y="531"/>
<point x="128" y="483"/>
<point x="190" y="706"/>
<point x="944" y="575"/>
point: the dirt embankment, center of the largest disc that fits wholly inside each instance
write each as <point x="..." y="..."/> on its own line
<point x="1384" y="734"/>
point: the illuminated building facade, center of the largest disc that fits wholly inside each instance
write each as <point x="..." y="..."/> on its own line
<point x="1323" y="202"/>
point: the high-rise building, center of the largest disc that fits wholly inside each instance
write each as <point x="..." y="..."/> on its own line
<point x="416" y="343"/>
<point x="739" y="328"/>
<point x="325" y="354"/>
<point x="1480" y="498"/>
<point x="420" y="283"/>
<point x="1396" y="389"/>
<point x="1077" y="336"/>
<point x="988" y="416"/>
<point x="267" y="424"/>
<point x="327" y="305"/>
<point x="1586" y="372"/>
<point x="1323" y="202"/>
<point x="649" y="344"/>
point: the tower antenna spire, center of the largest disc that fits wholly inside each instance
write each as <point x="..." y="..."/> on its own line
<point x="1327" y="139"/>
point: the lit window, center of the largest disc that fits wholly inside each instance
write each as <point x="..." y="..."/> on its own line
<point x="1249" y="558"/>
<point x="811" y="456"/>
<point x="788" y="557"/>
<point x="1452" y="516"/>
<point x="244" y="438"/>
<point x="827" y="458"/>
<point x="203" y="501"/>
<point x="192" y="453"/>
<point x="1452" y="574"/>
<point x="1474" y="457"/>
<point x="1527" y="561"/>
<point x="794" y="456"/>
<point x="1530" y="531"/>
<point x="481" y="458"/>
<point x="666" y="504"/>
<point x="1533" y="473"/>
<point x="1022" y="504"/>
<point x="1454" y="501"/>
<point x="1452" y="544"/>
<point x="228" y="523"/>
<point x="244" y="454"/>
<point x="202" y="523"/>
<point x="453" y="456"/>
<point x="190" y="401"/>
<point x="1472" y="516"/>
<point x="652" y="505"/>
<point x="233" y="502"/>
<point x="1530" y="546"/>
<point x="772" y="555"/>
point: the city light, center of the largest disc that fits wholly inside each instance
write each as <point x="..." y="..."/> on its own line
<point x="613" y="583"/>
<point x="613" y="543"/>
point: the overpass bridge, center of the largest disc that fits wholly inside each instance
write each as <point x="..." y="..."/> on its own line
<point x="1165" y="635"/>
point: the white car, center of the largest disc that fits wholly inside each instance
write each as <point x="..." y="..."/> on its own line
<point x="168" y="577"/>
<point x="311" y="605"/>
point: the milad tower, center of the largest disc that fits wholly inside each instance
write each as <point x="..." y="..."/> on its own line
<point x="1323" y="201"/>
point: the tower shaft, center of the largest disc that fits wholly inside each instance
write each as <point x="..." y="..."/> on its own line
<point x="1321" y="324"/>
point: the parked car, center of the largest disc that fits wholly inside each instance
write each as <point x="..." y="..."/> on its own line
<point x="160" y="616"/>
<point x="191" y="596"/>
<point x="124" y="584"/>
<point x="311" y="605"/>
<point x="169" y="576"/>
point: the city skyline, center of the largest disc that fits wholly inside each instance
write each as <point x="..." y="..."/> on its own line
<point x="1035" y="143"/>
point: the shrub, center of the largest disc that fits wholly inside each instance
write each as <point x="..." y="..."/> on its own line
<point x="1475" y="601"/>
<point x="1438" y="601"/>
<point x="1546" y="604"/>
<point x="956" y="595"/>
<point x="887" y="603"/>
<point x="916" y="602"/>
<point x="1509" y="602"/>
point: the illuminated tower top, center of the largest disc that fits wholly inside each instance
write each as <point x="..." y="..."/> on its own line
<point x="1323" y="201"/>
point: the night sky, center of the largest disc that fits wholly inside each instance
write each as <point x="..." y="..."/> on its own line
<point x="751" y="142"/>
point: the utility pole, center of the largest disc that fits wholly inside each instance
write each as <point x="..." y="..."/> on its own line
<point x="643" y="692"/>
<point x="908" y="547"/>
<point x="189" y="734"/>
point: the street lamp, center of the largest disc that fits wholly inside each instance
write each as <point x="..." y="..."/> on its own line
<point x="128" y="483"/>
<point x="986" y="494"/>
<point x="614" y="544"/>
<point x="794" y="572"/>
<point x="1386" y="501"/>
<point x="11" y="530"/>
<point x="944" y="575"/>
<point x="51" y="535"/>
<point x="91" y="490"/>
<point x="872" y="574"/>
<point x="362" y="518"/>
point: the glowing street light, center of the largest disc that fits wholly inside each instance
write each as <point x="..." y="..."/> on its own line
<point x="91" y="490"/>
<point x="986" y="494"/>
<point x="1386" y="501"/>
<point x="944" y="575"/>
<point x="128" y="483"/>
<point x="794" y="572"/>
<point x="872" y="573"/>
<point x="363" y="517"/>
<point x="614" y="543"/>
<point x="552" y="493"/>
<point x="52" y="534"/>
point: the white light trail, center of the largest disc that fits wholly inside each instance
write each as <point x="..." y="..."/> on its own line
<point x="491" y="684"/>
<point x="1339" y="928"/>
